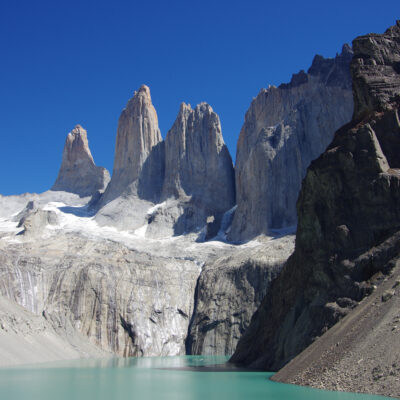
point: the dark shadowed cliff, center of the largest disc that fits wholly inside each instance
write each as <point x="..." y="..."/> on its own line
<point x="348" y="217"/>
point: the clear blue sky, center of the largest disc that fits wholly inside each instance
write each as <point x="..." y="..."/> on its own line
<point x="68" y="62"/>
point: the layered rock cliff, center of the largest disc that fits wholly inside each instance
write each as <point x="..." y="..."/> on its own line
<point x="349" y="217"/>
<point x="78" y="172"/>
<point x="285" y="128"/>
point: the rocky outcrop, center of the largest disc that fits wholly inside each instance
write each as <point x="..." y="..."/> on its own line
<point x="229" y="290"/>
<point x="36" y="221"/>
<point x="349" y="218"/>
<point x="78" y="172"/>
<point x="285" y="128"/>
<point x="31" y="207"/>
<point x="139" y="156"/>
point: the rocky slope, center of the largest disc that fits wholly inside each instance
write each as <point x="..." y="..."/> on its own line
<point x="361" y="353"/>
<point x="285" y="128"/>
<point x="349" y="218"/>
<point x="29" y="338"/>
<point x="78" y="172"/>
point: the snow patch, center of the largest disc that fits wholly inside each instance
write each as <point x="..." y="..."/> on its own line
<point x="141" y="232"/>
<point x="151" y="210"/>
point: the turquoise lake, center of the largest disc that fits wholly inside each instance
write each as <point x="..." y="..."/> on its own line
<point x="150" y="379"/>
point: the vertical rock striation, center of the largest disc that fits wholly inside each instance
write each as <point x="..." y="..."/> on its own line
<point x="138" y="163"/>
<point x="285" y="128"/>
<point x="124" y="301"/>
<point x="197" y="161"/>
<point x="349" y="217"/>
<point x="78" y="172"/>
<point x="229" y="291"/>
<point x="198" y="172"/>
<point x="138" y="172"/>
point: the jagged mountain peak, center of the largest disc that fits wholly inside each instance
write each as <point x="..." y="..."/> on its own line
<point x="78" y="172"/>
<point x="285" y="128"/>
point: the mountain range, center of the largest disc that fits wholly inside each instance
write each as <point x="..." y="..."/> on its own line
<point x="181" y="252"/>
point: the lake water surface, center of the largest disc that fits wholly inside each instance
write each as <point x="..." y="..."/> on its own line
<point x="150" y="379"/>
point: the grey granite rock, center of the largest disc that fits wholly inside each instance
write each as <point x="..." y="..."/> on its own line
<point x="198" y="172"/>
<point x="285" y="128"/>
<point x="139" y="156"/>
<point x="36" y="221"/>
<point x="229" y="291"/>
<point x="27" y="338"/>
<point x="78" y="172"/>
<point x="138" y="173"/>
<point x="130" y="294"/>
<point x="126" y="302"/>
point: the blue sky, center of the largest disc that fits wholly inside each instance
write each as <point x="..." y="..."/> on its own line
<point x="68" y="62"/>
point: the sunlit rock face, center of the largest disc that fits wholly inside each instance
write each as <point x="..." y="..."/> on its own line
<point x="285" y="128"/>
<point x="138" y="162"/>
<point x="125" y="302"/>
<point x="138" y="173"/>
<point x="78" y="172"/>
<point x="199" y="177"/>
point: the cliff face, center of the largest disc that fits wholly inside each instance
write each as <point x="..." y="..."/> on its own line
<point x="285" y="128"/>
<point x="229" y="290"/>
<point x="199" y="176"/>
<point x="138" y="162"/>
<point x="123" y="301"/>
<point x="349" y="217"/>
<point x="78" y="172"/>
<point x="127" y="294"/>
<point x="197" y="161"/>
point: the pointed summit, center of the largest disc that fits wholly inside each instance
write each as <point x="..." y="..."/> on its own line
<point x="198" y="166"/>
<point x="78" y="172"/>
<point x="138" y="162"/>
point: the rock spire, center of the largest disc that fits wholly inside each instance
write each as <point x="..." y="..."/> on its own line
<point x="78" y="172"/>
<point x="138" y="163"/>
<point x="197" y="161"/>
